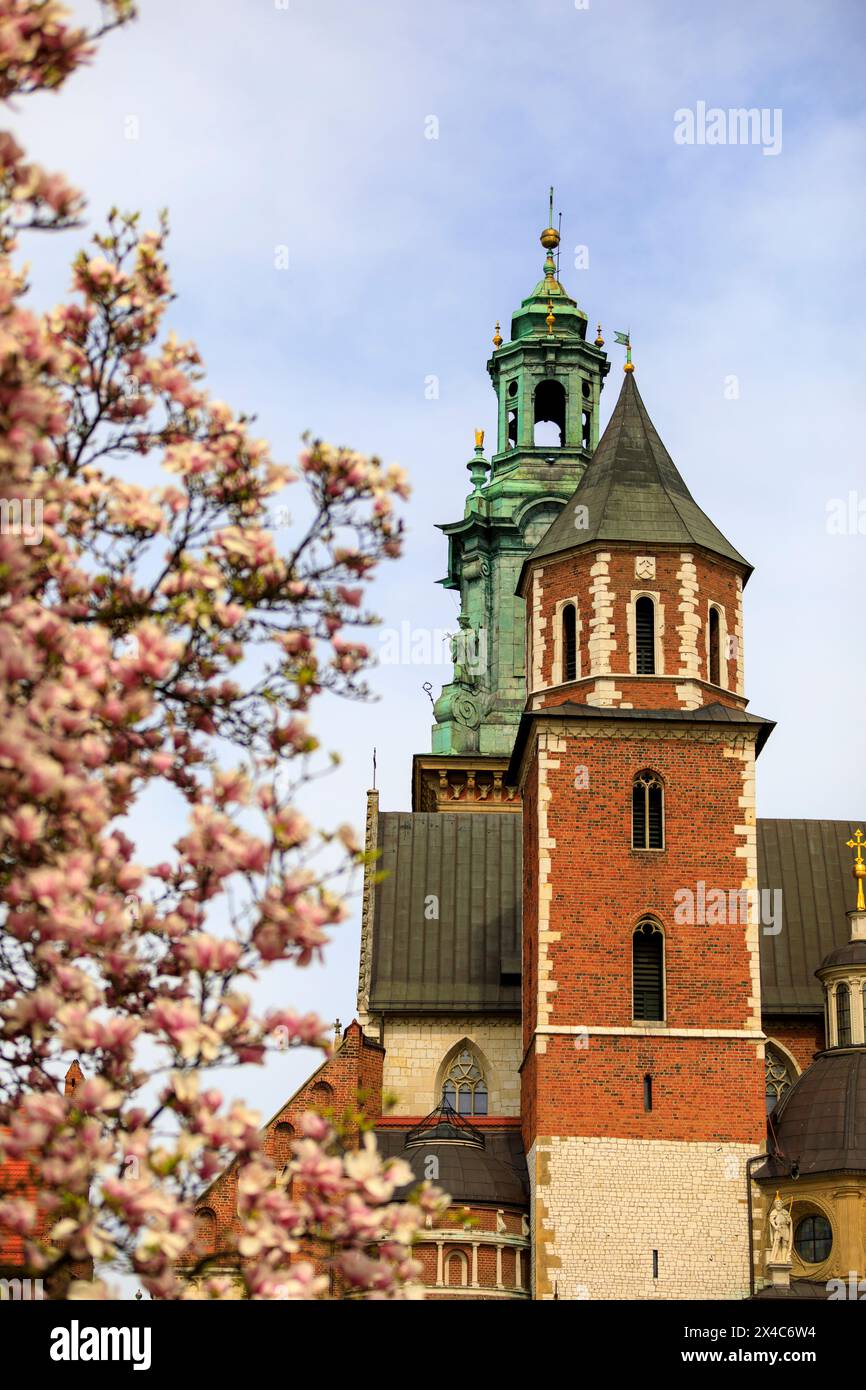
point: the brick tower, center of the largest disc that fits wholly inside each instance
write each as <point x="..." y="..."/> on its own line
<point x="642" y="1079"/>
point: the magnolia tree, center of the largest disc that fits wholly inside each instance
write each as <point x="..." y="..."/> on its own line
<point x="159" y="637"/>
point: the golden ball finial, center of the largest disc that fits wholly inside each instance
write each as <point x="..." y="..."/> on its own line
<point x="549" y="238"/>
<point x="629" y="367"/>
<point x="497" y="338"/>
<point x="550" y="320"/>
<point x="599" y="342"/>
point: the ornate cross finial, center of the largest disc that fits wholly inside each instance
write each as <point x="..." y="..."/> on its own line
<point x="338" y="1030"/>
<point x="497" y="338"/>
<point x="859" y="870"/>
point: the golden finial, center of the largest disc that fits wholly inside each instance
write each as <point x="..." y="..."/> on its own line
<point x="550" y="236"/>
<point x="479" y="439"/>
<point x="551" y="316"/>
<point x="859" y="869"/>
<point x="599" y="342"/>
<point x="497" y="338"/>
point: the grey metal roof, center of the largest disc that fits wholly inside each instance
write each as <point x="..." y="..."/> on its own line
<point x="447" y="921"/>
<point x="468" y="958"/>
<point x="633" y="491"/>
<point x="809" y="861"/>
<point x="715" y="713"/>
<point x="495" y="1173"/>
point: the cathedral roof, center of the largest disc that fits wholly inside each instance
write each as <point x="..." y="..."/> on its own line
<point x="448" y="914"/>
<point x="633" y="492"/>
<point x="820" y="1122"/>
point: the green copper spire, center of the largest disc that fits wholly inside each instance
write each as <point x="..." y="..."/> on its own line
<point x="548" y="380"/>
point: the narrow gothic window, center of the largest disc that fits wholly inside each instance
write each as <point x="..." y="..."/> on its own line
<point x="647" y="812"/>
<point x="465" y="1089"/>
<point x="843" y="1016"/>
<point x="645" y="631"/>
<point x="647" y="1092"/>
<point x="779" y="1076"/>
<point x="714" y="646"/>
<point x="648" y="971"/>
<point x="569" y="643"/>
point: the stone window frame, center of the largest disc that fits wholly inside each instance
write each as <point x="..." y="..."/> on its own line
<point x="723" y="644"/>
<point x="557" y="673"/>
<point x="452" y="1061"/>
<point x="804" y="1210"/>
<point x="658" y="632"/>
<point x="790" y="1062"/>
<point x="488" y="1072"/>
<point x="857" y="1006"/>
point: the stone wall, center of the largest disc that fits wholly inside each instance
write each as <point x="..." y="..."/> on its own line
<point x="601" y="1207"/>
<point x="416" y="1050"/>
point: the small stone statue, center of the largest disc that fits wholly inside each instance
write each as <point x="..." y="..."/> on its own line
<point x="500" y="1222"/>
<point x="781" y="1232"/>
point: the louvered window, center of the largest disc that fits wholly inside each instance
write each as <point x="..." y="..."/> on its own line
<point x="645" y="627"/>
<point x="648" y="971"/>
<point x="569" y="643"/>
<point x="647" y="812"/>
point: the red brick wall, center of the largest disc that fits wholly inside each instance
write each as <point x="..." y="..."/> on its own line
<point x="601" y="887"/>
<point x="802" y="1037"/>
<point x="570" y="577"/>
<point x="353" y="1078"/>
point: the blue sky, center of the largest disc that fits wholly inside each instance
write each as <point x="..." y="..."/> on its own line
<point x="260" y="127"/>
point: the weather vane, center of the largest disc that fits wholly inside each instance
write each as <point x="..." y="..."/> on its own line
<point x="625" y="339"/>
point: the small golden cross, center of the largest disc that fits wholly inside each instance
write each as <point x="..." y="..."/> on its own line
<point x="859" y="867"/>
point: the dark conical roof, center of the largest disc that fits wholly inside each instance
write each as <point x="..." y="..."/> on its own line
<point x="820" y="1123"/>
<point x="632" y="491"/>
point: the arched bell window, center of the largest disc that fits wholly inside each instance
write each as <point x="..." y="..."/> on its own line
<point x="550" y="401"/>
<point x="569" y="643"/>
<point x="465" y="1088"/>
<point x="779" y="1076"/>
<point x="645" y="636"/>
<point x="648" y="972"/>
<point x="647" y="811"/>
